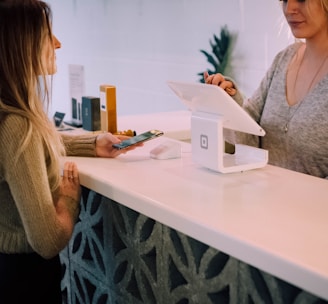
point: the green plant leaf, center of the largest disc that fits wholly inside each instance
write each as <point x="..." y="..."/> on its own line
<point x="221" y="48"/>
<point x="210" y="58"/>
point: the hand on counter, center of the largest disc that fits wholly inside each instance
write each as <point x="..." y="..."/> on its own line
<point x="104" y="144"/>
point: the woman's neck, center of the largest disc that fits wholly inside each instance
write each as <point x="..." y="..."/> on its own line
<point x="317" y="46"/>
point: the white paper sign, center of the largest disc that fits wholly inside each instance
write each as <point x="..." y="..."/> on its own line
<point x="76" y="90"/>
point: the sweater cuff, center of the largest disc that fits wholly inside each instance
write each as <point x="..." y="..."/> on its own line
<point x="80" y="145"/>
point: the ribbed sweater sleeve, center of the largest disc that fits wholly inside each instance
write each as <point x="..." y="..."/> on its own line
<point x="80" y="145"/>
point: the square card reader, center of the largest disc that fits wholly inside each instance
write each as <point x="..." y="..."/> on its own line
<point x="212" y="111"/>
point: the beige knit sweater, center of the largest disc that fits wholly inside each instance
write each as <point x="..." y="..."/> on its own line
<point x="28" y="219"/>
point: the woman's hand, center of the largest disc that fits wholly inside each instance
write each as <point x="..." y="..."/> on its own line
<point x="219" y="80"/>
<point x="70" y="185"/>
<point x="68" y="201"/>
<point x="104" y="144"/>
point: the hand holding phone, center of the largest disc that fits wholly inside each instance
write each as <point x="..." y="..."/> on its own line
<point x="138" y="139"/>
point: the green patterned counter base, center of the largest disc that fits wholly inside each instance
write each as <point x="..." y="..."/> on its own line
<point x="119" y="256"/>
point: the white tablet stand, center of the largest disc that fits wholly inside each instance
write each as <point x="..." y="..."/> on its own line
<point x="212" y="111"/>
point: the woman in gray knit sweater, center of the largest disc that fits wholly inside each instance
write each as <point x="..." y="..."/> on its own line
<point x="39" y="207"/>
<point x="291" y="103"/>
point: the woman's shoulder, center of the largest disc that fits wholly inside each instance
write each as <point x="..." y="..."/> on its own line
<point x="290" y="50"/>
<point x="283" y="57"/>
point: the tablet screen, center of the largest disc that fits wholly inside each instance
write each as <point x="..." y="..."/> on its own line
<point x="212" y="99"/>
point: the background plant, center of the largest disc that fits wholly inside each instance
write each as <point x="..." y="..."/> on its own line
<point x="220" y="58"/>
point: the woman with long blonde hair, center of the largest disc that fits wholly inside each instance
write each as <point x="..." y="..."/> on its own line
<point x="39" y="207"/>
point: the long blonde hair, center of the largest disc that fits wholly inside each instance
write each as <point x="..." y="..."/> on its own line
<point x="24" y="27"/>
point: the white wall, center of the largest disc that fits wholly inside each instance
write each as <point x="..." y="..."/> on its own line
<point x="137" y="45"/>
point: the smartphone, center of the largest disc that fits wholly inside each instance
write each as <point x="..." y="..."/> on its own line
<point x="138" y="138"/>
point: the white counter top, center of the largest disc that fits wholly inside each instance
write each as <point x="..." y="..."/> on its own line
<point x="271" y="218"/>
